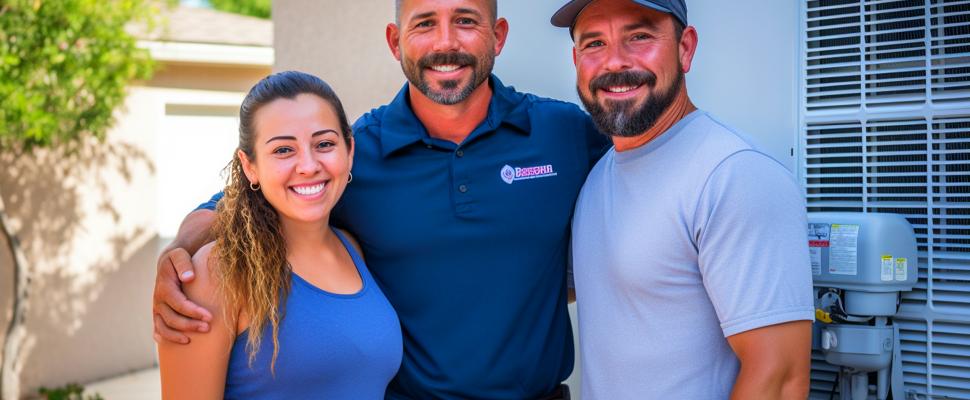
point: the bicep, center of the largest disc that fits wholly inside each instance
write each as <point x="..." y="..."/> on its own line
<point x="198" y="369"/>
<point x="784" y="347"/>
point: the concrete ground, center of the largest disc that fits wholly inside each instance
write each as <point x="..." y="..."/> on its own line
<point x="139" y="385"/>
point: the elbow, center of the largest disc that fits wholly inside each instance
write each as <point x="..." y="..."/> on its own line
<point x="796" y="387"/>
<point x="796" y="380"/>
<point x="773" y="381"/>
<point x="789" y="380"/>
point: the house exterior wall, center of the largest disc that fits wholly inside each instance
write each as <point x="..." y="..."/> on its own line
<point x="746" y="69"/>
<point x="89" y="225"/>
<point x="343" y="43"/>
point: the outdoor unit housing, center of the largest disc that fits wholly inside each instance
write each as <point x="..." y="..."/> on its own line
<point x="860" y="264"/>
<point x="884" y="119"/>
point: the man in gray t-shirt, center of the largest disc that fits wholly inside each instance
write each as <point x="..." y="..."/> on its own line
<point x="689" y="253"/>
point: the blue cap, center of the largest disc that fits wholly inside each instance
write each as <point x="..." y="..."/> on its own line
<point x="566" y="16"/>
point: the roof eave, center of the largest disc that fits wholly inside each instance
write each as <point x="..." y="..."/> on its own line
<point x="207" y="53"/>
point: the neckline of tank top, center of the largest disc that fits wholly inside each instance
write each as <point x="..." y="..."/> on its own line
<point x="363" y="287"/>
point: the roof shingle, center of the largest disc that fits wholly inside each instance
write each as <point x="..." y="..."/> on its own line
<point x="203" y="25"/>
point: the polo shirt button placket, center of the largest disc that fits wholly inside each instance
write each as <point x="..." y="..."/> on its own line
<point x="460" y="153"/>
<point x="463" y="188"/>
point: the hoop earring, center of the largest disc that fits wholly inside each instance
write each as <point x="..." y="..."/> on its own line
<point x="254" y="186"/>
<point x="351" y="178"/>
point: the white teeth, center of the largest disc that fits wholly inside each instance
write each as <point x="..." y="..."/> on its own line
<point x="445" y="68"/>
<point x="620" y="89"/>
<point x="308" y="190"/>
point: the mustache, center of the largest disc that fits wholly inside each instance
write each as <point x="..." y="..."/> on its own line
<point x="622" y="78"/>
<point x="452" y="58"/>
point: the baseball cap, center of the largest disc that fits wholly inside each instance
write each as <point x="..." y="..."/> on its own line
<point x="566" y="16"/>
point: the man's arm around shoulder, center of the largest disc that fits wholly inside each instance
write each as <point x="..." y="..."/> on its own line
<point x="172" y="311"/>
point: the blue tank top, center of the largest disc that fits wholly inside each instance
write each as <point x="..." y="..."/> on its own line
<point x="332" y="346"/>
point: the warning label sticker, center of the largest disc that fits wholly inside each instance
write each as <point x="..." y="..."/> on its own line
<point x="886" y="271"/>
<point x="818" y="240"/>
<point x="843" y="249"/>
<point x="901" y="266"/>
<point x="815" y="254"/>
<point x="818" y="235"/>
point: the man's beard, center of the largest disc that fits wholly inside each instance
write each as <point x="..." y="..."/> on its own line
<point x="622" y="118"/>
<point x="451" y="93"/>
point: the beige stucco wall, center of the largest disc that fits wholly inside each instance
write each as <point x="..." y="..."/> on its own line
<point x="343" y="43"/>
<point x="87" y="222"/>
<point x="231" y="79"/>
<point x="88" y="242"/>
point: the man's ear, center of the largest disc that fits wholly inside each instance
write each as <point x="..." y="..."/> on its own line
<point x="501" y="31"/>
<point x="688" y="45"/>
<point x="393" y="36"/>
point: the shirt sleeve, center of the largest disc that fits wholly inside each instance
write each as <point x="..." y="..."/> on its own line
<point x="211" y="204"/>
<point x="750" y="230"/>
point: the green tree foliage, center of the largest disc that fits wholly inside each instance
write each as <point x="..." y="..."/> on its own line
<point x="64" y="66"/>
<point x="255" y="8"/>
<point x="71" y="391"/>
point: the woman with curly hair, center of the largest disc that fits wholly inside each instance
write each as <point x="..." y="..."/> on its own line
<point x="296" y="314"/>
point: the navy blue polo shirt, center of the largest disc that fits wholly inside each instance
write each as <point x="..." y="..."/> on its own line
<point x="469" y="241"/>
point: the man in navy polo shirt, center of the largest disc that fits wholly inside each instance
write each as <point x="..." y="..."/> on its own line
<point x="461" y="200"/>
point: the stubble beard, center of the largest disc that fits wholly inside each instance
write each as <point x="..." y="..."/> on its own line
<point x="451" y="91"/>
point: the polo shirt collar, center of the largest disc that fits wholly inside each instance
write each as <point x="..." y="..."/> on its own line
<point x="401" y="128"/>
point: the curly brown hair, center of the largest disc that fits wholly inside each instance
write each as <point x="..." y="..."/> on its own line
<point x="253" y="275"/>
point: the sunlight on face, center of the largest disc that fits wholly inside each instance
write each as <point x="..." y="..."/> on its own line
<point x="302" y="162"/>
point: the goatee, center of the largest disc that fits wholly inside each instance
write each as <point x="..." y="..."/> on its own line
<point x="451" y="92"/>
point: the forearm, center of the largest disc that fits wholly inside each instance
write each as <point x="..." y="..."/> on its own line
<point x="195" y="231"/>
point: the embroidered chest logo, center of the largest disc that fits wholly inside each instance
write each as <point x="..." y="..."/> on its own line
<point x="511" y="174"/>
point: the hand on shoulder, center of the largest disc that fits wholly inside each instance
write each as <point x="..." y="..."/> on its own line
<point x="204" y="290"/>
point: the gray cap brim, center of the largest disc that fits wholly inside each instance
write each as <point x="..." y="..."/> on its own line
<point x="566" y="16"/>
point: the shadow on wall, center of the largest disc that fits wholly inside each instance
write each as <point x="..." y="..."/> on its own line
<point x="89" y="255"/>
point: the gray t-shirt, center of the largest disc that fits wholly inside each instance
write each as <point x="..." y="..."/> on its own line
<point x="678" y="244"/>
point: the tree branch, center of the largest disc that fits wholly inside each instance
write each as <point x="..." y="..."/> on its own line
<point x="15" y="332"/>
